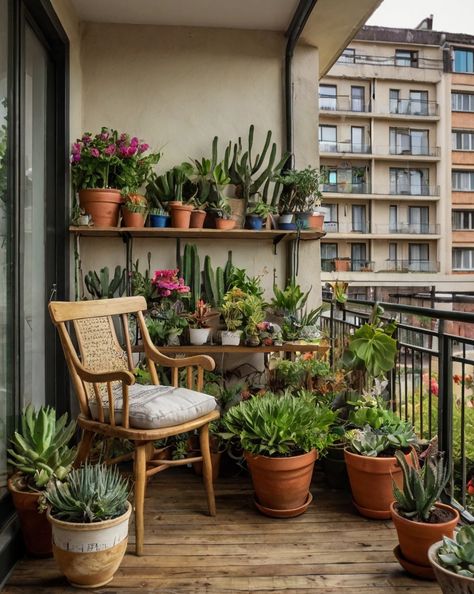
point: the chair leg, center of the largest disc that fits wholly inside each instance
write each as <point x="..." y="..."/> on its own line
<point x="140" y="483"/>
<point x="207" y="468"/>
<point x="84" y="447"/>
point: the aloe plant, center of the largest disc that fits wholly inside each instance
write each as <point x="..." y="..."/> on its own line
<point x="40" y="449"/>
<point x="101" y="287"/>
<point x="422" y="487"/>
<point x="92" y="493"/>
<point x="457" y="555"/>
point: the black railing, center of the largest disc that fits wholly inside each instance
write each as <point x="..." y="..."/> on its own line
<point x="416" y="107"/>
<point x="432" y="383"/>
<point x="343" y="103"/>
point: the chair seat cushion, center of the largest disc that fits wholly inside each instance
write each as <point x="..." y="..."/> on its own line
<point x="154" y="407"/>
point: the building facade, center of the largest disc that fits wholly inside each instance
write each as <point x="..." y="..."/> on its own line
<point x="396" y="142"/>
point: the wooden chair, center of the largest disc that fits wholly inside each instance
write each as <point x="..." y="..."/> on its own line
<point x="110" y="402"/>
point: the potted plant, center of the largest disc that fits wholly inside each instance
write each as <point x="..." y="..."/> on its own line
<point x="210" y="180"/>
<point x="257" y="215"/>
<point x="198" y="323"/>
<point x="254" y="315"/>
<point x="105" y="166"/>
<point x="159" y="218"/>
<point x="342" y="264"/>
<point x="371" y="465"/>
<point x="134" y="211"/>
<point x="418" y="516"/>
<point x="39" y="452"/>
<point x="232" y="312"/>
<point x="452" y="560"/>
<point x="281" y="437"/>
<point x="169" y="189"/>
<point x="89" y="515"/>
<point x="300" y="195"/>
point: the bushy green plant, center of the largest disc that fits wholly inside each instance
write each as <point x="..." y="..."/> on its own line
<point x="272" y="425"/>
<point x="92" y="493"/>
<point x="251" y="285"/>
<point x="289" y="374"/>
<point x="40" y="449"/>
<point x="164" y="323"/>
<point x="260" y="209"/>
<point x="371" y="411"/>
<point x="386" y="440"/>
<point x="300" y="190"/>
<point x="289" y="301"/>
<point x="457" y="555"/>
<point x="422" y="487"/>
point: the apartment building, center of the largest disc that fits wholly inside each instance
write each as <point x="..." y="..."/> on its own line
<point x="396" y="142"/>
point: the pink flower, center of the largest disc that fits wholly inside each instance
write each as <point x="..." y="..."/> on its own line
<point x="123" y="136"/>
<point x="134" y="141"/>
<point x="110" y="150"/>
<point x="123" y="150"/>
<point x="95" y="152"/>
<point x="76" y="157"/>
<point x="76" y="148"/>
<point x="104" y="135"/>
<point x="166" y="293"/>
<point x="131" y="151"/>
<point x="143" y="147"/>
<point x="434" y="387"/>
<point x="86" y="138"/>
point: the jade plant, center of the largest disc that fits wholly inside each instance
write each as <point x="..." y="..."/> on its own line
<point x="457" y="554"/>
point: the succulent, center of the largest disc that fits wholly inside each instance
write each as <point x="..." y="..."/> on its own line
<point x="372" y="442"/>
<point x="40" y="450"/>
<point x="92" y="493"/>
<point x="101" y="287"/>
<point x="457" y="555"/>
<point x="422" y="487"/>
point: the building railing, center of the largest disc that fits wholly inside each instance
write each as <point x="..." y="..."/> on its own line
<point x="417" y="190"/>
<point x="361" y="265"/>
<point x="347" y="188"/>
<point x="366" y="188"/>
<point x="379" y="150"/>
<point x="415" y="107"/>
<point x="420" y="62"/>
<point x="343" y="103"/>
<point x="344" y="147"/>
<point x="393" y="149"/>
<point x="336" y="227"/>
<point x="411" y="228"/>
<point x="413" y="265"/>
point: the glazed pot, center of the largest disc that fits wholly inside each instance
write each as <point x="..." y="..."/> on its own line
<point x="35" y="528"/>
<point x="282" y="484"/>
<point x="371" y="482"/>
<point x="132" y="219"/>
<point x="199" y="336"/>
<point x="415" y="538"/>
<point x="230" y="338"/>
<point x="286" y="218"/>
<point x="103" y="204"/>
<point x="197" y="219"/>
<point x="450" y="582"/>
<point x="180" y="215"/>
<point x="225" y="224"/>
<point x="158" y="220"/>
<point x="90" y="554"/>
<point x="254" y="222"/>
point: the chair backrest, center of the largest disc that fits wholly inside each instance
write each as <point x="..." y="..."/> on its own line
<point x="96" y="337"/>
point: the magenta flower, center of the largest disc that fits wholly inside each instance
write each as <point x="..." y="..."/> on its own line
<point x="76" y="148"/>
<point x="104" y="135"/>
<point x="86" y="138"/>
<point x="95" y="152"/>
<point x="76" y="157"/>
<point x="110" y="150"/>
<point x="143" y="147"/>
<point x="131" y="151"/>
<point x="134" y="141"/>
<point x="123" y="150"/>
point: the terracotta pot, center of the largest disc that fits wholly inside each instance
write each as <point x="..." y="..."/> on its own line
<point x="281" y="483"/>
<point x="371" y="483"/>
<point x="225" y="224"/>
<point x="197" y="219"/>
<point x="316" y="221"/>
<point x="35" y="528"/>
<point x="334" y="467"/>
<point x="450" y="582"/>
<point x="180" y="215"/>
<point x="90" y="554"/>
<point x="132" y="219"/>
<point x="102" y="204"/>
<point x="415" y="538"/>
<point x="341" y="265"/>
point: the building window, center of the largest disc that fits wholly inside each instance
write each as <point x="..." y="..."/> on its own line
<point x="419" y="257"/>
<point x="463" y="220"/>
<point x="357" y="99"/>
<point x="359" y="219"/>
<point x="394" y="100"/>
<point x="347" y="56"/>
<point x="418" y="104"/>
<point x="462" y="101"/>
<point x="328" y="97"/>
<point x="393" y="218"/>
<point x="463" y="181"/>
<point x="328" y="254"/>
<point x="463" y="60"/>
<point x="328" y="139"/>
<point x="463" y="258"/>
<point x="409" y="142"/>
<point x="331" y="216"/>
<point x="406" y="58"/>
<point x="418" y="219"/>
<point x="463" y="140"/>
<point x="409" y="181"/>
<point x="358" y="256"/>
<point x="392" y="252"/>
<point x="357" y="139"/>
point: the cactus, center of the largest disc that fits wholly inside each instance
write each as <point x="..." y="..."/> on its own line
<point x="169" y="186"/>
<point x="190" y="267"/>
<point x="228" y="270"/>
<point x="99" y="286"/>
<point x="40" y="451"/>
<point x="247" y="173"/>
<point x="210" y="286"/>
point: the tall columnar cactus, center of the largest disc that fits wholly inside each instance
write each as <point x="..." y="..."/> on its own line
<point x="191" y="270"/>
<point x="100" y="286"/>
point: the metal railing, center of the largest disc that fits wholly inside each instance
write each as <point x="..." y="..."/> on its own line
<point x="408" y="228"/>
<point x="336" y="227"/>
<point x="431" y="384"/>
<point x="413" y="107"/>
<point x="418" y="190"/>
<point x="411" y="266"/>
<point x="426" y="63"/>
<point x="394" y="149"/>
<point x="343" y="103"/>
<point x="347" y="188"/>
<point x="379" y="150"/>
<point x="344" y="147"/>
<point x="353" y="265"/>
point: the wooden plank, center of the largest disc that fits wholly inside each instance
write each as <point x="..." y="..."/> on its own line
<point x="207" y="349"/>
<point x="63" y="311"/>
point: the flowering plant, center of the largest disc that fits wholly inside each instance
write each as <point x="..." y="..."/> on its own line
<point x="169" y="285"/>
<point x="467" y="382"/>
<point x="136" y="203"/>
<point x="200" y="317"/>
<point x="111" y="160"/>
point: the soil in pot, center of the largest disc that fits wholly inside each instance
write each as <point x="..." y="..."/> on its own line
<point x="102" y="204"/>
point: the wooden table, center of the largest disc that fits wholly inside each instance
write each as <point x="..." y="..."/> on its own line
<point x="287" y="347"/>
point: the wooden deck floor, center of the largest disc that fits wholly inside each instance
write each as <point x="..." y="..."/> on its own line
<point x="329" y="550"/>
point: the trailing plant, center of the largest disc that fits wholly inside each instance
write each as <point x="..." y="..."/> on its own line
<point x="272" y="425"/>
<point x="422" y="487"/>
<point x="101" y="287"/>
<point x="92" y="493"/>
<point x="300" y="190"/>
<point x="457" y="554"/>
<point x="40" y="449"/>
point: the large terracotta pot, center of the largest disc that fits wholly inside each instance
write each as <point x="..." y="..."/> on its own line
<point x="180" y="215"/>
<point x="371" y="483"/>
<point x="197" y="219"/>
<point x="132" y="219"/>
<point x="90" y="554"/>
<point x="450" y="582"/>
<point x="103" y="204"/>
<point x="415" y="538"/>
<point x="282" y="484"/>
<point x="34" y="525"/>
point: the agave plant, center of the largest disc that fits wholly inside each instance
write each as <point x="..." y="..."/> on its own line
<point x="40" y="450"/>
<point x="92" y="493"/>
<point x="457" y="555"/>
<point x="422" y="487"/>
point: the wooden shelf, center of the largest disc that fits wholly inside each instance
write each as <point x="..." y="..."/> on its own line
<point x="208" y="349"/>
<point x="274" y="235"/>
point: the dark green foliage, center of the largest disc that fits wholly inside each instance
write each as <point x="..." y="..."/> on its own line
<point x="101" y="287"/>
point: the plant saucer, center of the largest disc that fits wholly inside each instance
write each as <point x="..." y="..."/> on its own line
<point x="422" y="571"/>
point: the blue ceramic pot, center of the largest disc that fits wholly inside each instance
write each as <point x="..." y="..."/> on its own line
<point x="254" y="222"/>
<point x="159" y="220"/>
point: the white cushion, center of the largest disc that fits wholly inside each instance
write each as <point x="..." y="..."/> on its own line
<point x="153" y="407"/>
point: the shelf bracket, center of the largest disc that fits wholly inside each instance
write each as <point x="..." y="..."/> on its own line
<point x="276" y="241"/>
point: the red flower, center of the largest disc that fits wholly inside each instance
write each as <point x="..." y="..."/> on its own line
<point x="470" y="487"/>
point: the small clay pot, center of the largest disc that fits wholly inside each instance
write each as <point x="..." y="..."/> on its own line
<point x="180" y="215"/>
<point x="197" y="219"/>
<point x="225" y="224"/>
<point x="132" y="219"/>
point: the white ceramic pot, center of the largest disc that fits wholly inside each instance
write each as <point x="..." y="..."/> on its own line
<point x="199" y="336"/>
<point x="90" y="554"/>
<point x="229" y="338"/>
<point x="286" y="218"/>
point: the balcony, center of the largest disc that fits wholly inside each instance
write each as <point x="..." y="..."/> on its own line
<point x="344" y="147"/>
<point x="335" y="227"/>
<point x="411" y="107"/>
<point x="379" y="151"/>
<point x="408" y="229"/>
<point x="333" y="104"/>
<point x="347" y="188"/>
<point x="411" y="266"/>
<point x="347" y="265"/>
<point x="425" y="63"/>
<point x="415" y="190"/>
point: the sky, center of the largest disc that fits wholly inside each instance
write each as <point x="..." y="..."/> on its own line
<point x="453" y="16"/>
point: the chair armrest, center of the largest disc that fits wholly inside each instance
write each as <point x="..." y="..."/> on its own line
<point x="154" y="354"/>
<point x="121" y="375"/>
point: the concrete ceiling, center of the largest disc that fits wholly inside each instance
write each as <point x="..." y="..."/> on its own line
<point x="270" y="15"/>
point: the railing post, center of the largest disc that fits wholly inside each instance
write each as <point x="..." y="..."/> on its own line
<point x="445" y="396"/>
<point x="331" y="334"/>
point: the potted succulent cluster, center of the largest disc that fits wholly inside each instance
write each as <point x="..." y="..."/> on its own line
<point x="281" y="437"/>
<point x="89" y="514"/>
<point x="299" y="200"/>
<point x="40" y="452"/>
<point x="452" y="560"/>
